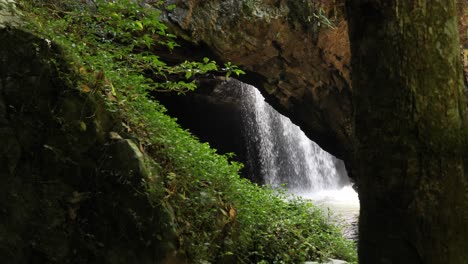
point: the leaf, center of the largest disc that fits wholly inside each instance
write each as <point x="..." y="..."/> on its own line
<point x="127" y="127"/>
<point x="239" y="72"/>
<point x="112" y="89"/>
<point x="232" y="213"/>
<point x="188" y="74"/>
<point x="112" y="93"/>
<point x="114" y="135"/>
<point x="169" y="210"/>
<point x="82" y="126"/>
<point x="85" y="88"/>
<point x="139" y="25"/>
<point x="223" y="212"/>
<point x="83" y="70"/>
<point x="170" y="7"/>
<point x="182" y="196"/>
<point x="110" y="97"/>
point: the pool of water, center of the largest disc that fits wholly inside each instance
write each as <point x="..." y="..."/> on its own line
<point x="341" y="205"/>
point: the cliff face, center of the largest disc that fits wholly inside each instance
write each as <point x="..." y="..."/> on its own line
<point x="71" y="180"/>
<point x="290" y="53"/>
<point x="69" y="184"/>
<point x="298" y="60"/>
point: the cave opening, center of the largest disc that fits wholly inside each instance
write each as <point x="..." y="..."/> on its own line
<point x="233" y="117"/>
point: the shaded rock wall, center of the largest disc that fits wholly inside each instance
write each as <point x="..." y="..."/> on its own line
<point x="300" y="65"/>
<point x="69" y="193"/>
<point x="226" y="117"/>
<point x="411" y="176"/>
<point x="214" y="114"/>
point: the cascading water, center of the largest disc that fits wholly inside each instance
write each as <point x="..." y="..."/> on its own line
<point x="286" y="155"/>
<point x="281" y="153"/>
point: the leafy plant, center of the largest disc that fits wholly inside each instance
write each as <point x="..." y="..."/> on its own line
<point x="116" y="35"/>
<point x="216" y="215"/>
<point x="322" y="19"/>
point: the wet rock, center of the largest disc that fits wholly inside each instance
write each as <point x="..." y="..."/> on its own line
<point x="299" y="63"/>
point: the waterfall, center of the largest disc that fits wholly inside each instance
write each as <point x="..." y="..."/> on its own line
<point x="234" y="117"/>
<point x="278" y="153"/>
<point x="282" y="152"/>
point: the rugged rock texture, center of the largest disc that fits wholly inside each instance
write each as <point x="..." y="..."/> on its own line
<point x="69" y="192"/>
<point x="299" y="63"/>
<point x="214" y="115"/>
<point x="223" y="116"/>
<point x="411" y="132"/>
<point x="462" y="8"/>
<point x="303" y="71"/>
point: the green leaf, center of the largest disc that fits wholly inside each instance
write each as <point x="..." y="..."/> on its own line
<point x="197" y="188"/>
<point x="239" y="72"/>
<point x="82" y="126"/>
<point x="170" y="7"/>
<point x="139" y="25"/>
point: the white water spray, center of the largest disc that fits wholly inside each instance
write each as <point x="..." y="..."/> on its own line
<point x="286" y="155"/>
<point x="282" y="154"/>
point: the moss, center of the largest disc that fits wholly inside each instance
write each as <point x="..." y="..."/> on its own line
<point x="131" y="186"/>
<point x="302" y="13"/>
<point x="65" y="189"/>
<point x="247" y="7"/>
<point x="414" y="117"/>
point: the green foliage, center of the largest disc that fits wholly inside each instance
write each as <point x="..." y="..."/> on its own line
<point x="216" y="215"/>
<point x="115" y="35"/>
<point x="310" y="12"/>
<point x="322" y="19"/>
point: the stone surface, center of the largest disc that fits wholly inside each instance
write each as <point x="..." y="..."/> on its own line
<point x="126" y="158"/>
<point x="411" y="131"/>
<point x="299" y="64"/>
<point x="68" y="192"/>
<point x="213" y="115"/>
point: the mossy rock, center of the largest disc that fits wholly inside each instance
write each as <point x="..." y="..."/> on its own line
<point x="69" y="193"/>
